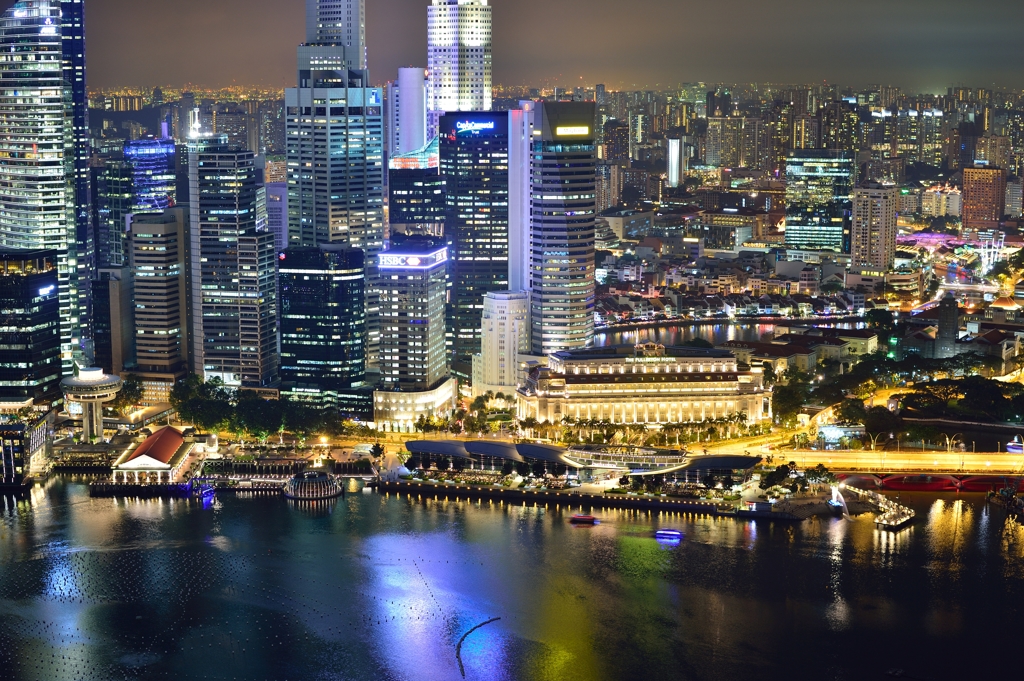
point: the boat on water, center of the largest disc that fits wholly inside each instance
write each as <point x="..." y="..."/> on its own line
<point x="1015" y="446"/>
<point x="203" y="492"/>
<point x="669" y="536"/>
<point x="580" y="519"/>
<point x="313" y="485"/>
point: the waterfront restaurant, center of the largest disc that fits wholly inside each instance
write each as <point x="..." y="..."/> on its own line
<point x="155" y="460"/>
<point x="648" y="384"/>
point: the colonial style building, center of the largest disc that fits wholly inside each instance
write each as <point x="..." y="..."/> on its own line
<point x="648" y="384"/>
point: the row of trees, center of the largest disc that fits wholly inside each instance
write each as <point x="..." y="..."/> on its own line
<point x="211" y="407"/>
<point x="787" y="476"/>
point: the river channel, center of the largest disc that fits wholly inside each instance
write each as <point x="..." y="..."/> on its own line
<point x="377" y="587"/>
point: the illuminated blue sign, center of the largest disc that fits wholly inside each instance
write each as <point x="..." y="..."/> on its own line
<point x="473" y="127"/>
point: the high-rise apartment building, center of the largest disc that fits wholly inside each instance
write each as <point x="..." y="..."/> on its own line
<point x="323" y="324"/>
<point x="413" y="363"/>
<point x="158" y="261"/>
<point x="551" y="231"/>
<point x="30" y="335"/>
<point x="233" y="270"/>
<point x="873" y="227"/>
<point x="806" y="132"/>
<point x="44" y="151"/>
<point x="818" y="188"/>
<point x="505" y="329"/>
<point x="984" y="197"/>
<point x="474" y="150"/>
<point x="459" y="55"/>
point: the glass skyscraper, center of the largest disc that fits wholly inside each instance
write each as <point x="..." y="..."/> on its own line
<point x="819" y="184"/>
<point x="334" y="128"/>
<point x="323" y="322"/>
<point x="474" y="168"/>
<point x="44" y="149"/>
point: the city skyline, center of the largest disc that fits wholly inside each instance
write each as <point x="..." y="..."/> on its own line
<point x="252" y="42"/>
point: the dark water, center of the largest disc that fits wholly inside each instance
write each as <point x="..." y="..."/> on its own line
<point x="672" y="335"/>
<point x="384" y="588"/>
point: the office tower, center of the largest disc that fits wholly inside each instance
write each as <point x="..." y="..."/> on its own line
<point x="474" y="150"/>
<point x="76" y="98"/>
<point x="323" y="323"/>
<point x="459" y="55"/>
<point x="561" y="226"/>
<point x="44" y="151"/>
<point x="158" y="257"/>
<point x="407" y="112"/>
<point x="505" y="328"/>
<point x="335" y="141"/>
<point x="232" y="270"/>
<point x="30" y="335"/>
<point x="984" y="197"/>
<point x="413" y="362"/>
<point x="416" y="198"/>
<point x="113" y="320"/>
<point x="818" y="188"/>
<point x="806" y="132"/>
<point x="277" y="212"/>
<point x="339" y="24"/>
<point x="873" y="227"/>
<point x="140" y="177"/>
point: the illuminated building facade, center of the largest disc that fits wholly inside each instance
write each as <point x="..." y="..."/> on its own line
<point x="233" y="271"/>
<point x="30" y="335"/>
<point x="416" y="198"/>
<point x="157" y="256"/>
<point x="648" y="384"/>
<point x="44" y="153"/>
<point x="984" y="197"/>
<point x="323" y="322"/>
<point x="561" y="235"/>
<point x="459" y="55"/>
<point x="873" y="229"/>
<point x="407" y="112"/>
<point x="818" y="188"/>
<point x="413" y="361"/>
<point x="474" y="151"/>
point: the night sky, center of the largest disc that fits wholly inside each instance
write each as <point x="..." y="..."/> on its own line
<point x="921" y="45"/>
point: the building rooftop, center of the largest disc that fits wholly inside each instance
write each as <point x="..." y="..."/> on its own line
<point x="160" y="446"/>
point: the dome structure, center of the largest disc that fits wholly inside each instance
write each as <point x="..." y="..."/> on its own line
<point x="310" y="485"/>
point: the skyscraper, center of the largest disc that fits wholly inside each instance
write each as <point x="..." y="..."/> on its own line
<point x="416" y="197"/>
<point x="407" y="112"/>
<point x="873" y="229"/>
<point x="555" y="234"/>
<point x="30" y="334"/>
<point x="459" y="55"/>
<point x="474" y="165"/>
<point x="44" y="150"/>
<point x="818" y="189"/>
<point x="157" y="255"/>
<point x="334" y="124"/>
<point x="984" y="197"/>
<point x="413" y="362"/>
<point x="233" y="270"/>
<point x="323" y="323"/>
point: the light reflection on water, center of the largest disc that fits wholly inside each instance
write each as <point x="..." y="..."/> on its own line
<point x="376" y="587"/>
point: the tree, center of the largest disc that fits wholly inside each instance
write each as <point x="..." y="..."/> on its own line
<point x="129" y="396"/>
<point x="377" y="450"/>
<point x="769" y="374"/>
<point x="820" y="475"/>
<point x="697" y="343"/>
<point x="880" y="319"/>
